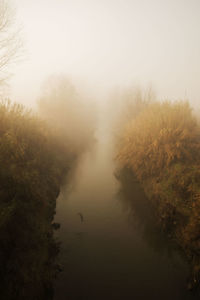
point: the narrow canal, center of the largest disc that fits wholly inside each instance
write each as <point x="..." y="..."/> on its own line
<point x="109" y="250"/>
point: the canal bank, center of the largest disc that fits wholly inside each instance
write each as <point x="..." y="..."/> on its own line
<point x="108" y="254"/>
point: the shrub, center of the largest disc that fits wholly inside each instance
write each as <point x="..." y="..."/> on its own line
<point x="163" y="134"/>
<point x="162" y="147"/>
<point x="33" y="162"/>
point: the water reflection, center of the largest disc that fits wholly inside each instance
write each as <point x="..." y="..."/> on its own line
<point x="142" y="214"/>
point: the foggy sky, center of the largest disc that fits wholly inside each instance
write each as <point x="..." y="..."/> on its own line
<point x="109" y="43"/>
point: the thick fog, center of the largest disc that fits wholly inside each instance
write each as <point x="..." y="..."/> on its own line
<point x="103" y="154"/>
<point x="106" y="44"/>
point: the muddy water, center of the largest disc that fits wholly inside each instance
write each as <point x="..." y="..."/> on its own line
<point x="109" y="251"/>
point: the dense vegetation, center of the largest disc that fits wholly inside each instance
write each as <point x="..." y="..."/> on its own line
<point x="162" y="147"/>
<point x="33" y="162"/>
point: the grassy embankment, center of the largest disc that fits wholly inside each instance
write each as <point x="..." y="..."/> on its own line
<point x="33" y="162"/>
<point x="162" y="147"/>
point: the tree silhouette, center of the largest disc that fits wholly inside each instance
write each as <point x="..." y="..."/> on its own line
<point x="10" y="43"/>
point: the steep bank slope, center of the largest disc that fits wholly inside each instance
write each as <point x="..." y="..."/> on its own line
<point x="33" y="163"/>
<point x="162" y="147"/>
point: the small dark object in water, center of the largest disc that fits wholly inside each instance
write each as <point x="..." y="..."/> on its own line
<point x="56" y="226"/>
<point x="59" y="268"/>
<point x="81" y="217"/>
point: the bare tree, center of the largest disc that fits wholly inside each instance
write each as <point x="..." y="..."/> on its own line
<point x="10" y="43"/>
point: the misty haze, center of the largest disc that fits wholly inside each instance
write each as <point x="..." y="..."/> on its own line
<point x="100" y="150"/>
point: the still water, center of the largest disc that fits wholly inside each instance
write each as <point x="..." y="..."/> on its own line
<point x="110" y="249"/>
